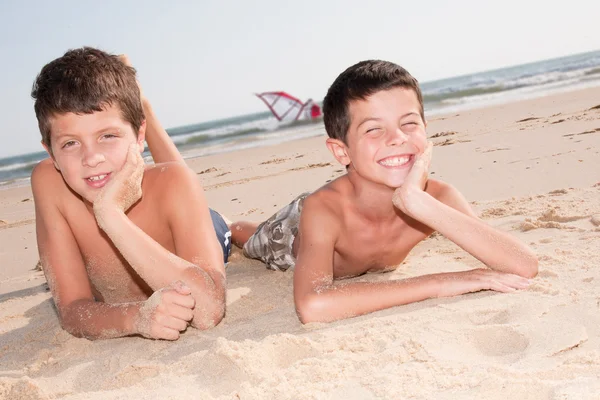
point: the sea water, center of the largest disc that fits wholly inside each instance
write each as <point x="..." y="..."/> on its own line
<point x="442" y="96"/>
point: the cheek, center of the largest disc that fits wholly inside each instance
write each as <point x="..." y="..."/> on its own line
<point x="117" y="156"/>
<point x="421" y="141"/>
<point x="365" y="155"/>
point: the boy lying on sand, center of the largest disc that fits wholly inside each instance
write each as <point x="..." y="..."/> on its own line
<point x="369" y="219"/>
<point x="125" y="249"/>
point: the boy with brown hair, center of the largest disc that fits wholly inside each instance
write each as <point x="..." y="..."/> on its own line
<point x="125" y="249"/>
<point x="369" y="219"/>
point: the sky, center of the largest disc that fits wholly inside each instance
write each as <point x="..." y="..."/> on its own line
<point x="203" y="60"/>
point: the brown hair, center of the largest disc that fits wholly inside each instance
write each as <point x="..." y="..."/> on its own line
<point x="84" y="81"/>
<point x="359" y="82"/>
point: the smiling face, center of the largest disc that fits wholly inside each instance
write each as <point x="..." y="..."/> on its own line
<point x="89" y="148"/>
<point x="386" y="133"/>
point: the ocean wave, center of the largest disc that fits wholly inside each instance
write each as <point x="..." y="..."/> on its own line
<point x="492" y="86"/>
<point x="593" y="71"/>
<point x="456" y="93"/>
<point x="204" y="138"/>
<point x="19" y="166"/>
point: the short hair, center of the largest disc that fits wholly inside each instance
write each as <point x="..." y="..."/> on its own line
<point x="84" y="81"/>
<point x="359" y="82"/>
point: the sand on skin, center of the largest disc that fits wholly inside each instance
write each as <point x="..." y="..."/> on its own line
<point x="524" y="172"/>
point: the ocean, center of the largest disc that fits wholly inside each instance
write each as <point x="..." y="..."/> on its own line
<point x="442" y="96"/>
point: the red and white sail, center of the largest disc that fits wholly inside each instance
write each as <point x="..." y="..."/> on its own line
<point x="288" y="108"/>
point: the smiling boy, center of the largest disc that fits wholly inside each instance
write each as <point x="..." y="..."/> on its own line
<point x="125" y="249"/>
<point x="369" y="219"/>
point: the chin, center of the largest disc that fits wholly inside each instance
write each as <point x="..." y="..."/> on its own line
<point x="394" y="183"/>
<point x="88" y="197"/>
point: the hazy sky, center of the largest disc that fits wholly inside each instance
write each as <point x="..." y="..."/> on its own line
<point x="202" y="60"/>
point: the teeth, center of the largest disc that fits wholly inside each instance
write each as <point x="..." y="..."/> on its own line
<point x="97" y="177"/>
<point x="395" y="161"/>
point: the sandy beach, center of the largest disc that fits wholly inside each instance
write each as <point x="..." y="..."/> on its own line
<point x="531" y="168"/>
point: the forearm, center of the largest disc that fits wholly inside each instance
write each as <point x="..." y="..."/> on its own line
<point x="159" y="268"/>
<point x="159" y="142"/>
<point x="350" y="299"/>
<point x="96" y="320"/>
<point x="498" y="250"/>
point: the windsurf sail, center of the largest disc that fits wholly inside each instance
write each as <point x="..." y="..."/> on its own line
<point x="287" y="108"/>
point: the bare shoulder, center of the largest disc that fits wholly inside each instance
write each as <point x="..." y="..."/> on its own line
<point x="169" y="172"/>
<point x="169" y="179"/>
<point x="47" y="183"/>
<point x="171" y="186"/>
<point x="44" y="173"/>
<point x="326" y="203"/>
<point x="449" y="195"/>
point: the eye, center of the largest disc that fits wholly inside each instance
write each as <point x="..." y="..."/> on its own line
<point x="410" y="126"/>
<point x="373" y="130"/>
<point x="109" y="136"/>
<point x="68" y="144"/>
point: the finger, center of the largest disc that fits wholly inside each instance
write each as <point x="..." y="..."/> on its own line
<point x="166" y="333"/>
<point x="426" y="156"/>
<point x="133" y="155"/>
<point x="516" y="281"/>
<point x="181" y="287"/>
<point x="170" y="322"/>
<point x="125" y="59"/>
<point x="184" y="300"/>
<point x="181" y="312"/>
<point x="500" y="287"/>
<point x="132" y="160"/>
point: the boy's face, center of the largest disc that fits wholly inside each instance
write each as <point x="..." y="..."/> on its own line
<point x="88" y="149"/>
<point x="386" y="134"/>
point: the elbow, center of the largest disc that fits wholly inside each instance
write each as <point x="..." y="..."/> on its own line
<point x="311" y="308"/>
<point x="73" y="328"/>
<point x="531" y="266"/>
<point x="208" y="317"/>
<point x="527" y="266"/>
<point x="210" y="302"/>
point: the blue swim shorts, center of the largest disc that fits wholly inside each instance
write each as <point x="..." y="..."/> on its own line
<point x="223" y="233"/>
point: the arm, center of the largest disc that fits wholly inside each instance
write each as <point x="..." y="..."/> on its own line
<point x="452" y="216"/>
<point x="160" y="317"/>
<point x="159" y="142"/>
<point x="65" y="272"/>
<point x="319" y="298"/>
<point x="198" y="258"/>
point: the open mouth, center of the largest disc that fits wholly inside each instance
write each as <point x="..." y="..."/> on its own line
<point x="396" y="161"/>
<point x="97" y="180"/>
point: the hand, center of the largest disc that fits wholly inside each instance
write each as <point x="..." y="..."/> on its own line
<point x="124" y="188"/>
<point x="455" y="283"/>
<point x="166" y="313"/>
<point x="124" y="58"/>
<point x="415" y="181"/>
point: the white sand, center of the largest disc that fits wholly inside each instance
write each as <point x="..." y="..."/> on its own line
<point x="538" y="179"/>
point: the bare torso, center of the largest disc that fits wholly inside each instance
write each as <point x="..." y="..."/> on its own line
<point x="112" y="279"/>
<point x="367" y="244"/>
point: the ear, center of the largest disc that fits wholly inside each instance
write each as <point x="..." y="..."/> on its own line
<point x="49" y="151"/>
<point x="141" y="136"/>
<point x="339" y="150"/>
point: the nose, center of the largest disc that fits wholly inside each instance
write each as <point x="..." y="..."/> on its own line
<point x="395" y="137"/>
<point x="92" y="157"/>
